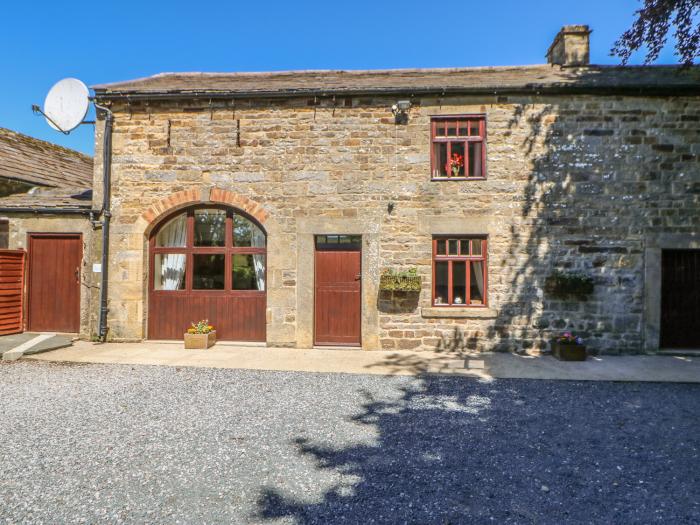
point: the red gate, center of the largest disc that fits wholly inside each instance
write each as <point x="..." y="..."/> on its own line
<point x="11" y="291"/>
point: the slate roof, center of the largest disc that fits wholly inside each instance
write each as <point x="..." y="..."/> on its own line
<point x="511" y="79"/>
<point x="63" y="176"/>
<point x="42" y="163"/>
<point x="79" y="199"/>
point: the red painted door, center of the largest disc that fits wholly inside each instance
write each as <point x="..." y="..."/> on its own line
<point x="680" y="299"/>
<point x="208" y="262"/>
<point x="54" y="282"/>
<point x="338" y="295"/>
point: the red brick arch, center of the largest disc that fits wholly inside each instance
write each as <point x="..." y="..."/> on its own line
<point x="185" y="198"/>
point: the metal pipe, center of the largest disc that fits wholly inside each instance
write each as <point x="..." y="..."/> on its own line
<point x="56" y="211"/>
<point x="106" y="216"/>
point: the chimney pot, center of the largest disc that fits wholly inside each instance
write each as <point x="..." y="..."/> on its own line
<point x="571" y="47"/>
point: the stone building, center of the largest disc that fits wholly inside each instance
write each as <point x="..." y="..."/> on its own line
<point x="45" y="206"/>
<point x="527" y="201"/>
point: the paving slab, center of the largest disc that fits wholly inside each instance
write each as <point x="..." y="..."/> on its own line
<point x="27" y="343"/>
<point x="484" y="366"/>
<point x="54" y="342"/>
<point x="8" y="342"/>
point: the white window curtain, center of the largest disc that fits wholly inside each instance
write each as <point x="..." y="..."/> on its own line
<point x="172" y="269"/>
<point x="258" y="241"/>
<point x="173" y="234"/>
<point x="478" y="273"/>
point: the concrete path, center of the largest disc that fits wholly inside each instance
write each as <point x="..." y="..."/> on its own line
<point x="12" y="347"/>
<point x="485" y="366"/>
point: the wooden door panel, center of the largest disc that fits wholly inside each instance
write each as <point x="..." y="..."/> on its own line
<point x="54" y="282"/>
<point x="680" y="299"/>
<point x="337" y="298"/>
<point x="235" y="317"/>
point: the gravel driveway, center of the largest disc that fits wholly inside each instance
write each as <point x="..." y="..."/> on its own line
<point x="113" y="443"/>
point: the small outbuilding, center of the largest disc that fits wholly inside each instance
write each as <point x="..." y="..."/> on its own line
<point x="45" y="236"/>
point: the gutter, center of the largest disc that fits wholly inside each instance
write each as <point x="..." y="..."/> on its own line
<point x="54" y="211"/>
<point x="106" y="216"/>
<point x="636" y="90"/>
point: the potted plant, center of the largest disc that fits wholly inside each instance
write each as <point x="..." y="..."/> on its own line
<point x="568" y="347"/>
<point x="201" y="335"/>
<point x="400" y="281"/>
<point x="569" y="285"/>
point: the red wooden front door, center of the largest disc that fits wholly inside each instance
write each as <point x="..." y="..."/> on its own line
<point x="54" y="282"/>
<point x="338" y="295"/>
<point x="680" y="299"/>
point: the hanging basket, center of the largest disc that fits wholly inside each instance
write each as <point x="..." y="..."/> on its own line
<point x="400" y="281"/>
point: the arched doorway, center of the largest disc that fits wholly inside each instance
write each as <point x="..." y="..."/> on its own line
<point x="208" y="262"/>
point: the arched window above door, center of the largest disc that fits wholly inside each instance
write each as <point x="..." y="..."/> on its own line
<point x="215" y="249"/>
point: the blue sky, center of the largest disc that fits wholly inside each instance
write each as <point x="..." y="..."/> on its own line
<point x="44" y="41"/>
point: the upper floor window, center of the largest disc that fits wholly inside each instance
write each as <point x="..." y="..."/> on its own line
<point x="458" y="147"/>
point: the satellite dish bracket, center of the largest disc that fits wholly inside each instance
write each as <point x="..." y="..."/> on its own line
<point x="38" y="111"/>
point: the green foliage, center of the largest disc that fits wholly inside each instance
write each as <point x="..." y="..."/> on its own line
<point x="651" y="26"/>
<point x="200" y="327"/>
<point x="569" y="285"/>
<point x="400" y="281"/>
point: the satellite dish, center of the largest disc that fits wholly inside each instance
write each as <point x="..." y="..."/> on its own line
<point x="66" y="104"/>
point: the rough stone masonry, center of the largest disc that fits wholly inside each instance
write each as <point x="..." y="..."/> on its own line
<point x="588" y="182"/>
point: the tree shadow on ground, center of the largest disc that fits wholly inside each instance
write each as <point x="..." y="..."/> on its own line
<point x="456" y="451"/>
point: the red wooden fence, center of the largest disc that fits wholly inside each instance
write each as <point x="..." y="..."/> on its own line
<point x="11" y="291"/>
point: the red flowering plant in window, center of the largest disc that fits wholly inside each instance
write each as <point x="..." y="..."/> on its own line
<point x="456" y="163"/>
<point x="458" y="149"/>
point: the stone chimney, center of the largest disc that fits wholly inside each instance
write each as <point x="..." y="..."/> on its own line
<point x="571" y="47"/>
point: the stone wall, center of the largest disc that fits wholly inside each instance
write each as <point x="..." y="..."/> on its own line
<point x="22" y="224"/>
<point x="573" y="183"/>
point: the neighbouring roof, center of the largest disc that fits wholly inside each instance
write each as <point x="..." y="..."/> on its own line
<point x="41" y="163"/>
<point x="491" y="80"/>
<point x="47" y="199"/>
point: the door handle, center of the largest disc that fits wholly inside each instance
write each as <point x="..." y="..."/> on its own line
<point x="77" y="274"/>
<point x="358" y="277"/>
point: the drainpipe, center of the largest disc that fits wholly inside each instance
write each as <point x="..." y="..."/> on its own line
<point x="106" y="216"/>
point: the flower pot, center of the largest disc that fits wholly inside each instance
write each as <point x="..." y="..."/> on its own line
<point x="568" y="351"/>
<point x="399" y="283"/>
<point x="200" y="341"/>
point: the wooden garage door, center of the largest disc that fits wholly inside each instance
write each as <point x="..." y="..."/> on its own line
<point x="11" y="291"/>
<point x="680" y="299"/>
<point x="54" y="282"/>
<point x="338" y="277"/>
<point x="208" y="262"/>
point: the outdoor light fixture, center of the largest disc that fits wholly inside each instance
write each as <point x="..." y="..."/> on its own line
<point x="400" y="111"/>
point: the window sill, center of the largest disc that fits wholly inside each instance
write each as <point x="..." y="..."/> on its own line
<point x="447" y="179"/>
<point x="451" y="312"/>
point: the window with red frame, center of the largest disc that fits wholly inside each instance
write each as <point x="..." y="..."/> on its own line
<point x="458" y="147"/>
<point x="459" y="271"/>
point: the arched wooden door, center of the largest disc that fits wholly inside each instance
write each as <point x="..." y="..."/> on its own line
<point x="208" y="262"/>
